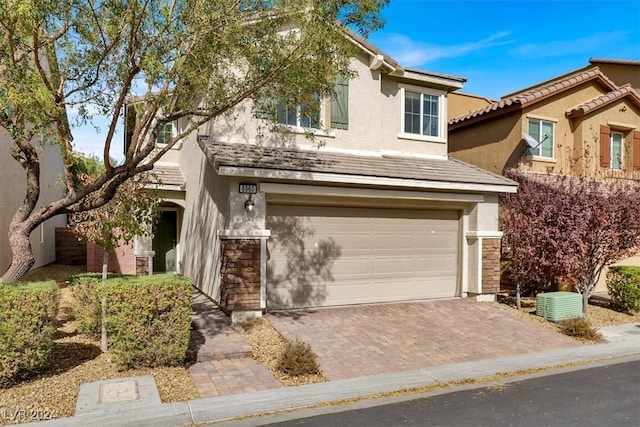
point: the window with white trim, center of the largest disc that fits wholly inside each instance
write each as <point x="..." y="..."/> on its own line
<point x="298" y="116"/>
<point x="165" y="135"/>
<point x="543" y="132"/>
<point x="423" y="114"/>
<point x="617" y="143"/>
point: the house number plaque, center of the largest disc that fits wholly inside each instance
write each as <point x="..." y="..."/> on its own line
<point x="248" y="188"/>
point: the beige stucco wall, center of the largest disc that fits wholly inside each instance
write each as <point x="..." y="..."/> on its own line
<point x="622" y="74"/>
<point x="12" y="192"/>
<point x="375" y="105"/>
<point x="459" y="104"/>
<point x="206" y="211"/>
<point x="493" y="145"/>
<point x="621" y="116"/>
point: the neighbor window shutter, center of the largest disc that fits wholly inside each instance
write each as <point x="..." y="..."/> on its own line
<point x="265" y="108"/>
<point x="636" y="150"/>
<point x="605" y="146"/>
<point x="340" y="104"/>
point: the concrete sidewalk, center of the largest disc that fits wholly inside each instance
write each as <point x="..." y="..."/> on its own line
<point x="624" y="340"/>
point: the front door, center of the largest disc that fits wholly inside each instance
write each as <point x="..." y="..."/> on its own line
<point x="165" y="239"/>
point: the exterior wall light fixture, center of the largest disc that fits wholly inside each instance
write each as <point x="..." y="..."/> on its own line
<point x="249" y="189"/>
<point x="249" y="204"/>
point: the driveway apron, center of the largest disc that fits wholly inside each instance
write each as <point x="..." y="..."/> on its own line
<point x="358" y="341"/>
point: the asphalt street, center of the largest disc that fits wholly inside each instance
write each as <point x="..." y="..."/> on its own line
<point x="607" y="395"/>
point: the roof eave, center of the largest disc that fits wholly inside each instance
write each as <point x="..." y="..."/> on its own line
<point x="486" y="116"/>
<point x="295" y="175"/>
<point x="449" y="82"/>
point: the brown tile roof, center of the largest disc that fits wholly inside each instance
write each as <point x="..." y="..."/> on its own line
<point x="318" y="161"/>
<point x="601" y="101"/>
<point x="534" y="94"/>
<point x="167" y="175"/>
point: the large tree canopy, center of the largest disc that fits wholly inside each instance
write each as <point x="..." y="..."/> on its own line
<point x="193" y="60"/>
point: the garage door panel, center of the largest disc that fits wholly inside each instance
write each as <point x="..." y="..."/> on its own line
<point x="355" y="255"/>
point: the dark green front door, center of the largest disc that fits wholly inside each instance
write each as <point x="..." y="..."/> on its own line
<point x="165" y="239"/>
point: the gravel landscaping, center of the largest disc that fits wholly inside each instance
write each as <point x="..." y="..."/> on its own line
<point x="77" y="359"/>
<point x="267" y="345"/>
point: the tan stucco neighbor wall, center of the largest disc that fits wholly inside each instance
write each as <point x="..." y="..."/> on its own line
<point x="493" y="146"/>
<point x="12" y="192"/>
<point x="459" y="104"/>
<point x="622" y="74"/>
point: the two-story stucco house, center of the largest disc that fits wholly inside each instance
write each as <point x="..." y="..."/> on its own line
<point x="583" y="123"/>
<point x="372" y="210"/>
<point x="12" y="193"/>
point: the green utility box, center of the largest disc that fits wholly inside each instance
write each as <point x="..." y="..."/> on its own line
<point x="558" y="306"/>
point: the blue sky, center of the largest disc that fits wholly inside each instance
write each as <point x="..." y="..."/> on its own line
<point x="506" y="45"/>
<point x="498" y="46"/>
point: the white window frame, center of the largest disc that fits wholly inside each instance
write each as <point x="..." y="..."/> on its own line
<point x="297" y="129"/>
<point x="540" y="120"/>
<point x="442" y="113"/>
<point x="173" y="134"/>
<point x="298" y="126"/>
<point x="611" y="163"/>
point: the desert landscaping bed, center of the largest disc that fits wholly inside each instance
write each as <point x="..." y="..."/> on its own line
<point x="76" y="359"/>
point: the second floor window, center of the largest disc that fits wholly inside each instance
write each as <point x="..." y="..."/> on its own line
<point x="542" y="131"/>
<point x="617" y="142"/>
<point x="299" y="116"/>
<point x="421" y="113"/>
<point x="165" y="135"/>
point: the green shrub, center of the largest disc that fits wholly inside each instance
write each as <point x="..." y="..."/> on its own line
<point x="298" y="359"/>
<point x="86" y="304"/>
<point x="623" y="284"/>
<point x="27" y="312"/>
<point x="148" y="319"/>
<point x="580" y="327"/>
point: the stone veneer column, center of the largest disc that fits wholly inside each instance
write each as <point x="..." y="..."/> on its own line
<point x="143" y="252"/>
<point x="490" y="265"/>
<point x="142" y="265"/>
<point x="240" y="275"/>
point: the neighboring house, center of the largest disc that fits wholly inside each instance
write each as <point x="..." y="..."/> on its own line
<point x="13" y="191"/>
<point x="583" y="123"/>
<point x="371" y="211"/>
<point x="459" y="104"/>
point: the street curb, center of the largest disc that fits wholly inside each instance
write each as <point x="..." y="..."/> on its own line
<point x="223" y="408"/>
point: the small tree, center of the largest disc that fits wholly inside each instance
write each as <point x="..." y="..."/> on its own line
<point x="560" y="228"/>
<point x="130" y="213"/>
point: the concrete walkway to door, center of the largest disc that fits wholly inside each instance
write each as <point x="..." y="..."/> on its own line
<point x="367" y="340"/>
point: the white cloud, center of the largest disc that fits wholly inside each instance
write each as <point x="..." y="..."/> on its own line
<point x="581" y="46"/>
<point x="411" y="53"/>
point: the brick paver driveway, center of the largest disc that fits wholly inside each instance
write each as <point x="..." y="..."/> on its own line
<point x="368" y="340"/>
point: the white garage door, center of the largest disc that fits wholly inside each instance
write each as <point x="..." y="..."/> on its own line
<point x="326" y="256"/>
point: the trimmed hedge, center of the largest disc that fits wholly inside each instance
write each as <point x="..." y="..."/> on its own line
<point x="27" y="313"/>
<point x="623" y="284"/>
<point x="86" y="303"/>
<point x="148" y="319"/>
